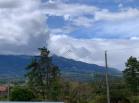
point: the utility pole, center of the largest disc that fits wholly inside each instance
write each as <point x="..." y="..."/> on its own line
<point x="107" y="81"/>
<point x="8" y="95"/>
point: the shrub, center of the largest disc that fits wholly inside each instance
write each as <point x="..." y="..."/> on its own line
<point x="21" y="94"/>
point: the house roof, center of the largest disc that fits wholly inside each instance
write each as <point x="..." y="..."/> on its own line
<point x="3" y="88"/>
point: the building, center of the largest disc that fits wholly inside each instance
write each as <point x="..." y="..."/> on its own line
<point x="3" y="90"/>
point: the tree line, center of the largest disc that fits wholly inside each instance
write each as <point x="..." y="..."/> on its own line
<point x="44" y="83"/>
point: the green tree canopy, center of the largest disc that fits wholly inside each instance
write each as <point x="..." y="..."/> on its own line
<point x="131" y="74"/>
<point x="21" y="94"/>
<point x="43" y="76"/>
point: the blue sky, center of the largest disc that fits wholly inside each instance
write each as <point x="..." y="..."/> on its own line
<point x="94" y="26"/>
<point x="108" y="20"/>
<point x="84" y="27"/>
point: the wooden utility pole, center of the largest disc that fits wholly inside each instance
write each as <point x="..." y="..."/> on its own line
<point x="8" y="94"/>
<point x="107" y="81"/>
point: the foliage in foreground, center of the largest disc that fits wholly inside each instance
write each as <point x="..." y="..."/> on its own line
<point x="43" y="80"/>
<point x="131" y="75"/>
<point x="21" y="94"/>
<point x="43" y="77"/>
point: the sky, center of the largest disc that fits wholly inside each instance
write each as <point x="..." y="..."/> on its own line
<point x="76" y="29"/>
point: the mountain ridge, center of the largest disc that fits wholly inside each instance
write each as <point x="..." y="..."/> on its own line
<point x="14" y="65"/>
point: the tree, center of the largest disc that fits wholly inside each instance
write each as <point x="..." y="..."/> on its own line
<point x="131" y="74"/>
<point x="55" y="84"/>
<point x="43" y="76"/>
<point x="34" y="77"/>
<point x="21" y="94"/>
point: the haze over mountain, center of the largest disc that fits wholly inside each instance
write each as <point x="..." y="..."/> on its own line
<point x="14" y="66"/>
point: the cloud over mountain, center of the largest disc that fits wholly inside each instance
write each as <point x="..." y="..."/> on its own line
<point x="92" y="50"/>
<point x="83" y="28"/>
<point x="22" y="25"/>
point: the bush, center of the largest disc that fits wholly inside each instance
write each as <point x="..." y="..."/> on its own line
<point x="99" y="99"/>
<point x="21" y="94"/>
<point x="134" y="99"/>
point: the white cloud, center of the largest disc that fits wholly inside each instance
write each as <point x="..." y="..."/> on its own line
<point x="119" y="29"/>
<point x="9" y="3"/>
<point x="134" y="38"/>
<point x="83" y="21"/>
<point x="22" y="22"/>
<point x="62" y="9"/>
<point x="92" y="50"/>
<point x="121" y="23"/>
<point x="124" y="14"/>
<point x="120" y="5"/>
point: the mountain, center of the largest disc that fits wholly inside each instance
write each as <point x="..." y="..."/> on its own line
<point x="14" y="66"/>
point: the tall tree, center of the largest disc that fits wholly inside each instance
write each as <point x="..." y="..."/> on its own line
<point x="43" y="76"/>
<point x="131" y="74"/>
